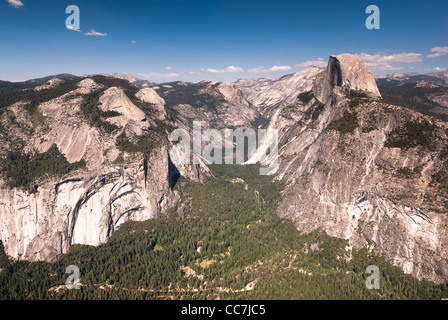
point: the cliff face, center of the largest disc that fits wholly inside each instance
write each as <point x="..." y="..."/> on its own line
<point x="344" y="70"/>
<point x="149" y="95"/>
<point x="353" y="186"/>
<point x="352" y="165"/>
<point x="352" y="168"/>
<point x="85" y="208"/>
<point x="266" y="95"/>
<point x="218" y="104"/>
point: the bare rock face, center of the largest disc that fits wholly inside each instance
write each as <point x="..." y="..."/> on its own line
<point x="52" y="83"/>
<point x="355" y="187"/>
<point x="151" y="96"/>
<point x="85" y="208"/>
<point x="68" y="132"/>
<point x="114" y="99"/>
<point x="236" y="111"/>
<point x="225" y="106"/>
<point x="87" y="85"/>
<point x="265" y="94"/>
<point x="63" y="127"/>
<point x="343" y="175"/>
<point x="232" y="94"/>
<point x="340" y="172"/>
<point x="345" y="70"/>
<point x="125" y="76"/>
<point x="75" y="138"/>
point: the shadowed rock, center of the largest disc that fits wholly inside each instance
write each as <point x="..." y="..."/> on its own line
<point x="345" y="70"/>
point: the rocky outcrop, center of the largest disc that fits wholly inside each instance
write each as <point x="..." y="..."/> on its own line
<point x="354" y="187"/>
<point x="83" y="208"/>
<point x="218" y="104"/>
<point x="125" y="76"/>
<point x="340" y="172"/>
<point x="266" y="95"/>
<point x="64" y="128"/>
<point x="52" y="83"/>
<point x="151" y="96"/>
<point x="341" y="175"/>
<point x="344" y="70"/>
<point x="74" y="137"/>
<point x="114" y="99"/>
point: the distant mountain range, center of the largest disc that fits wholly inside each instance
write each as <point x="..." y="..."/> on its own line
<point x="440" y="78"/>
<point x="426" y="93"/>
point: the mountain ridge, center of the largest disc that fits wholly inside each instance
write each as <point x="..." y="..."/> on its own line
<point x="333" y="129"/>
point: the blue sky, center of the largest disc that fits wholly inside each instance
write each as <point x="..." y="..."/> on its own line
<point x="217" y="40"/>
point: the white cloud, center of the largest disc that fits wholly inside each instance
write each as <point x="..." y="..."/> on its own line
<point x="133" y="41"/>
<point x="234" y="69"/>
<point x="15" y="3"/>
<point x="215" y="70"/>
<point x="320" y="62"/>
<point x="262" y="69"/>
<point x="193" y="72"/>
<point x="279" y="68"/>
<point x="95" y="33"/>
<point x="229" y="69"/>
<point x="71" y="28"/>
<point x="436" y="69"/>
<point x="158" y="75"/>
<point x="169" y="68"/>
<point x="382" y="62"/>
<point x="438" y="51"/>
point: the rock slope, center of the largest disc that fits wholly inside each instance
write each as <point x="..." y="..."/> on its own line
<point x="366" y="171"/>
<point x="352" y="165"/>
<point x="345" y="70"/>
<point x="86" y="206"/>
<point x="266" y="95"/>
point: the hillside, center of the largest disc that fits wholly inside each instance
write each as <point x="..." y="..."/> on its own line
<point x="222" y="241"/>
<point x="88" y="178"/>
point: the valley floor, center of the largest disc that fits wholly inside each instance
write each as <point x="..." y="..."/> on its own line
<point x="222" y="241"/>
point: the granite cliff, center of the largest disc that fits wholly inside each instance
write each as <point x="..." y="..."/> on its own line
<point x="352" y="165"/>
<point x="364" y="170"/>
<point x="118" y="183"/>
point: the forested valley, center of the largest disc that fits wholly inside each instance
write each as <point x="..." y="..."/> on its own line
<point x="223" y="240"/>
